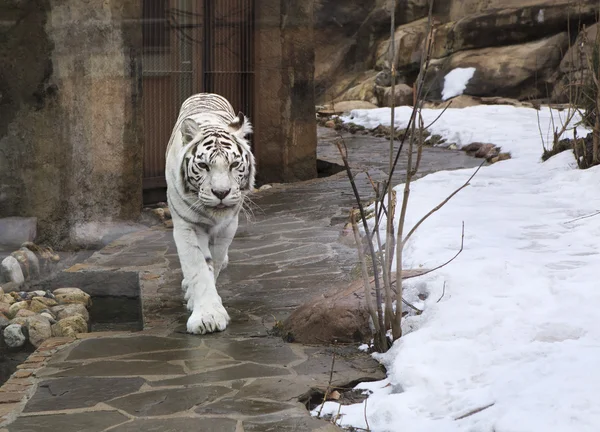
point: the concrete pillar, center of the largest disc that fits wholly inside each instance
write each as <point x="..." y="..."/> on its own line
<point x="285" y="137"/>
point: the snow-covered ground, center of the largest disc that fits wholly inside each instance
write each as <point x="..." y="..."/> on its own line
<point x="518" y="329"/>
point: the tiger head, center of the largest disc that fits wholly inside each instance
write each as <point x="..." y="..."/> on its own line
<point x="218" y="165"/>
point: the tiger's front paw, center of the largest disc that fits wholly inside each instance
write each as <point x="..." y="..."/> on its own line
<point x="208" y="317"/>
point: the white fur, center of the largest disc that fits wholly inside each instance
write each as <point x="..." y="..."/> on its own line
<point x="204" y="232"/>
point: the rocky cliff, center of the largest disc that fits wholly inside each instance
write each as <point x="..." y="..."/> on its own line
<point x="522" y="49"/>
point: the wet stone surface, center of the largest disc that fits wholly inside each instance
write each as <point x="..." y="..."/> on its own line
<point x="242" y="379"/>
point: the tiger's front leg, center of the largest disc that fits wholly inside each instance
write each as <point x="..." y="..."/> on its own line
<point x="208" y="314"/>
<point x="220" y="246"/>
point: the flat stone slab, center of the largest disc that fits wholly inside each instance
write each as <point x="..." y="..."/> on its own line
<point x="95" y="421"/>
<point x="247" y="407"/>
<point x="248" y="370"/>
<point x="168" y="401"/>
<point x="258" y="350"/>
<point x="122" y="368"/>
<point x="81" y="392"/>
<point x="179" y="425"/>
<point x="108" y="347"/>
<point x="295" y="424"/>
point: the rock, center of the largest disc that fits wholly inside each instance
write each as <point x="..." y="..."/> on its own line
<point x="22" y="321"/>
<point x="519" y="71"/>
<point x="14" y="336"/>
<point x="7" y="298"/>
<point x="24" y="313"/>
<point x="39" y="330"/>
<point x="330" y="124"/>
<point x="507" y="23"/>
<point x="68" y="310"/>
<point x="72" y="295"/>
<point x="4" y="321"/>
<point x="168" y="223"/>
<point x="37" y="293"/>
<point x="403" y="92"/>
<point x="409" y="40"/>
<point x="16" y="230"/>
<point x="30" y="265"/>
<point x="1" y="292"/>
<point x="364" y="91"/>
<point x="49" y="316"/>
<point x="4" y="307"/>
<point x="462" y="101"/>
<point x="340" y="314"/>
<point x="70" y="326"/>
<point x="40" y="303"/>
<point x="265" y="187"/>
<point x="342" y="107"/>
<point x="384" y="78"/>
<point x="160" y="213"/>
<point x="11" y="270"/>
<point x="16" y="307"/>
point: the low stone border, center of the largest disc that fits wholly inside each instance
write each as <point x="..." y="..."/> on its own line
<point x="22" y="384"/>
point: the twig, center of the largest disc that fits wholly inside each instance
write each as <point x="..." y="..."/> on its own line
<point x="365" y="273"/>
<point x="365" y="414"/>
<point x="440" y="205"/>
<point x="443" y="292"/>
<point x="583" y="217"/>
<point x="438" y="117"/>
<point x="328" y="385"/>
<point x="475" y="411"/>
<point x="382" y="342"/>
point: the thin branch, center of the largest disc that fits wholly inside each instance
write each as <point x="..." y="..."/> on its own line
<point x="382" y="342"/>
<point x="328" y="385"/>
<point x="475" y="411"/>
<point x="443" y="293"/>
<point x="583" y="217"/>
<point x="365" y="273"/>
<point x="440" y="115"/>
<point x="440" y="205"/>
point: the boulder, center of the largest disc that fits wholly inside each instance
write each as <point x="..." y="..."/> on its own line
<point x="24" y="313"/>
<point x="39" y="330"/>
<point x="7" y="298"/>
<point x="4" y="321"/>
<point x="16" y="307"/>
<point x="338" y="315"/>
<point x="409" y="47"/>
<point x="68" y="310"/>
<point x="4" y="307"/>
<point x="509" y="23"/>
<point x="519" y="71"/>
<point x="70" y="326"/>
<point x="10" y="270"/>
<point x="72" y="295"/>
<point x="29" y="262"/>
<point x="365" y="91"/>
<point x="14" y="336"/>
<point x="403" y="92"/>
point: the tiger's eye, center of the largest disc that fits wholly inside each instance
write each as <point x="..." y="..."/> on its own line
<point x="234" y="165"/>
<point x="203" y="166"/>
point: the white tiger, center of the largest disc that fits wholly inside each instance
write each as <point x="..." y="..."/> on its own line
<point x="209" y="170"/>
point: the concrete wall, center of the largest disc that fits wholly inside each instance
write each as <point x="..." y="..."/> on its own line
<point x="70" y="129"/>
<point x="285" y="124"/>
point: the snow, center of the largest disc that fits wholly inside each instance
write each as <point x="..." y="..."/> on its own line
<point x="456" y="81"/>
<point x="517" y="332"/>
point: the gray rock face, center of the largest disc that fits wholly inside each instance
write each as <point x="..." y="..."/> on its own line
<point x="15" y="231"/>
<point x="14" y="336"/>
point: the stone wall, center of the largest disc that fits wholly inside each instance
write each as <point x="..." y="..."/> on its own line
<point x="70" y="136"/>
<point x="285" y="124"/>
<point x="516" y="46"/>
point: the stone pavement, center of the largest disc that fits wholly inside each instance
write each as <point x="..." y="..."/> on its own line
<point x="243" y="379"/>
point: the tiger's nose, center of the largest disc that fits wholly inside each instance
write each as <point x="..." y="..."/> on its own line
<point x="221" y="194"/>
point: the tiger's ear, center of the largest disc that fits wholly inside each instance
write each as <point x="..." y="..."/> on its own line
<point x="189" y="130"/>
<point x="240" y="126"/>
